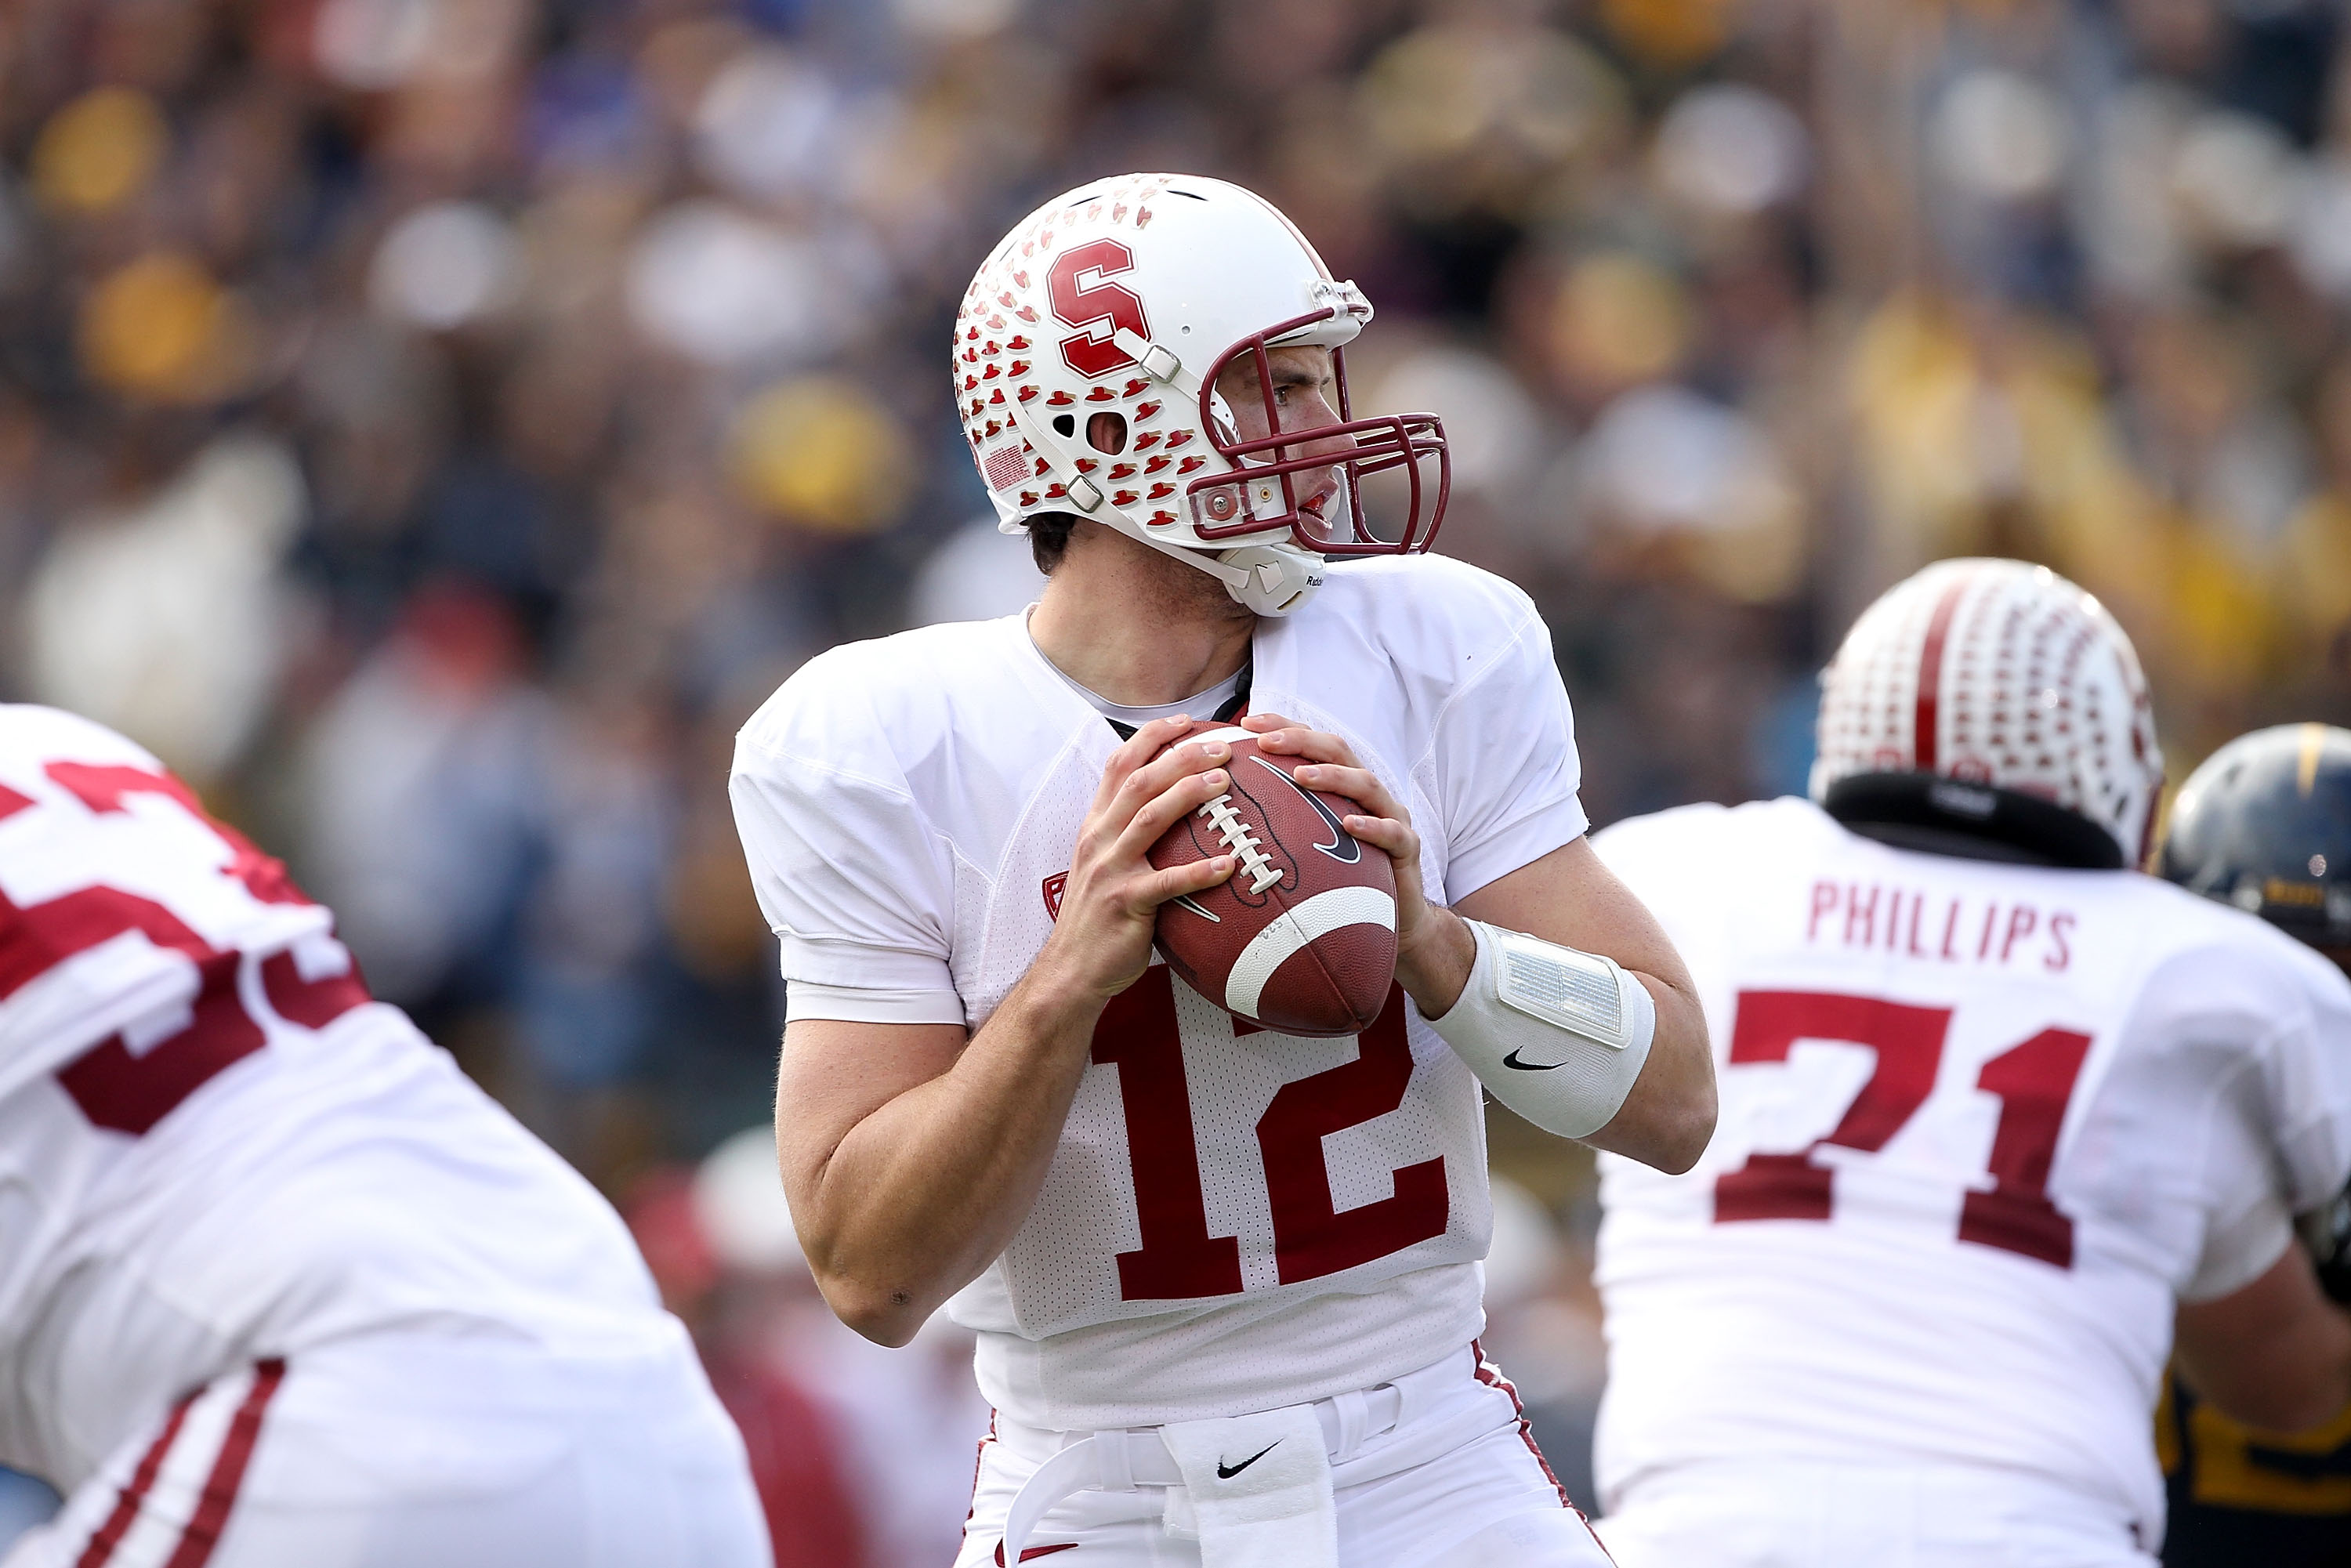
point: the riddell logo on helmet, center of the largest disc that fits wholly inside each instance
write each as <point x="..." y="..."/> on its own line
<point x="1082" y="300"/>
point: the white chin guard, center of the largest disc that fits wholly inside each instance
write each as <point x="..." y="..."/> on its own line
<point x="1558" y="1035"/>
<point x="1271" y="580"/>
<point x="1267" y="579"/>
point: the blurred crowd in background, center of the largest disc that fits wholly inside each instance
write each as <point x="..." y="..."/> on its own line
<point x="433" y="425"/>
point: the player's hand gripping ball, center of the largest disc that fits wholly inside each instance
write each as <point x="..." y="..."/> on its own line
<point x="1301" y="937"/>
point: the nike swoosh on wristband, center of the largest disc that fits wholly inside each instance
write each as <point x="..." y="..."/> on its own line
<point x="1342" y="847"/>
<point x="1223" y="1474"/>
<point x="1512" y="1061"/>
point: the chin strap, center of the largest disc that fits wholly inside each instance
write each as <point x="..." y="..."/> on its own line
<point x="1267" y="579"/>
<point x="1274" y="580"/>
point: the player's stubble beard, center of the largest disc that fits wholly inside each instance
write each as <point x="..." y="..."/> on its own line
<point x="1167" y="591"/>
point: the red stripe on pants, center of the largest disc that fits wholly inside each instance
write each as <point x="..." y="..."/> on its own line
<point x="126" y="1502"/>
<point x="1491" y="1376"/>
<point x="196" y="1543"/>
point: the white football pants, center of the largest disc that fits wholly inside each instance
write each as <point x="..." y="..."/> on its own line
<point x="417" y="1451"/>
<point x="1783" y="1514"/>
<point x="1455" y="1481"/>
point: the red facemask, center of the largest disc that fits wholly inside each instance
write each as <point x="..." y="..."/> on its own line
<point x="1222" y="505"/>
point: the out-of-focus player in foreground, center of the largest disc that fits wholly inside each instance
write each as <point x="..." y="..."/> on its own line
<point x="1997" y="1110"/>
<point x="278" y="1286"/>
<point x="2265" y="825"/>
<point x="1225" y="1280"/>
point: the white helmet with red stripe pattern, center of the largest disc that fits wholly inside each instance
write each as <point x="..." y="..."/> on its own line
<point x="1128" y="298"/>
<point x="1992" y="702"/>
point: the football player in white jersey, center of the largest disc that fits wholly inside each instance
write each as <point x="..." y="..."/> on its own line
<point x="1225" y="1281"/>
<point x="1998" y="1111"/>
<point x="278" y="1286"/>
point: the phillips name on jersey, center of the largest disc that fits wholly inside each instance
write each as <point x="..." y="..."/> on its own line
<point x="1235" y="1220"/>
<point x="1972" y="1106"/>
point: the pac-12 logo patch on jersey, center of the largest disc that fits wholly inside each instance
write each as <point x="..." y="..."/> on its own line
<point x="1053" y="886"/>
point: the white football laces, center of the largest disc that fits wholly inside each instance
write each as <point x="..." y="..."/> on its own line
<point x="1241" y="843"/>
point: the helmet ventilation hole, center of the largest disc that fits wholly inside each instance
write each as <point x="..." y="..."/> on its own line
<point x="1063" y="425"/>
<point x="1106" y="433"/>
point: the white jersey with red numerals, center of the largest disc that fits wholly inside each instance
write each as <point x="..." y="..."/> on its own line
<point x="214" y="1149"/>
<point x="1981" y="1125"/>
<point x="1235" y="1220"/>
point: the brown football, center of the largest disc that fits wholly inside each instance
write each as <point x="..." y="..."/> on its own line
<point x="1301" y="937"/>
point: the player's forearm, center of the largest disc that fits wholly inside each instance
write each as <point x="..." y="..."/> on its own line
<point x="925" y="1192"/>
<point x="1667" y="1119"/>
<point x="1433" y="964"/>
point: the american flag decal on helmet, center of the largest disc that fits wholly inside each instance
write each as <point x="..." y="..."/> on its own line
<point x="1004" y="466"/>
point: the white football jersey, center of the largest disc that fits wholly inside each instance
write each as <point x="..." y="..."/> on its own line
<point x="1981" y="1125"/>
<point x="213" y="1146"/>
<point x="1235" y="1220"/>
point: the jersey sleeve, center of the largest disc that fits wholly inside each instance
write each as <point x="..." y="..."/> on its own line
<point x="857" y="886"/>
<point x="2248" y="1224"/>
<point x="2279" y="1140"/>
<point x="1505" y="761"/>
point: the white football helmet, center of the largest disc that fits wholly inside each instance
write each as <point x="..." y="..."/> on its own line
<point x="1128" y="296"/>
<point x="1995" y="700"/>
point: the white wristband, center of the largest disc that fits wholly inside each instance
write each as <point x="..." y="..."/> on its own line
<point x="1557" y="1034"/>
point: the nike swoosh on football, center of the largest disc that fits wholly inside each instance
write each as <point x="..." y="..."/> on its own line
<point x="1342" y="847"/>
<point x="1223" y="1474"/>
<point x="1512" y="1061"/>
<point x="1186" y="900"/>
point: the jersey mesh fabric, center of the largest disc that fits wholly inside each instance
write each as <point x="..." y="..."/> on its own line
<point x="2190" y="1081"/>
<point x="999" y="759"/>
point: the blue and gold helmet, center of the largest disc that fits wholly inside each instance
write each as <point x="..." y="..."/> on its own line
<point x="2265" y="824"/>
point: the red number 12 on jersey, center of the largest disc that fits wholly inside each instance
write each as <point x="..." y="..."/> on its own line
<point x="1311" y="1237"/>
<point x="2034" y="1079"/>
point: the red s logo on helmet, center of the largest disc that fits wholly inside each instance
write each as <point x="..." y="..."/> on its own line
<point x="1098" y="308"/>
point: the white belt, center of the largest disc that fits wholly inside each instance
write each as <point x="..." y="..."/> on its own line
<point x="1123" y="1460"/>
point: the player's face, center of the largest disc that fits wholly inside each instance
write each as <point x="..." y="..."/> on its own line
<point x="1305" y="395"/>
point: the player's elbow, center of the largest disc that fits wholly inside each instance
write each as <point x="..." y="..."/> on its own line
<point x="874" y="1301"/>
<point x="1669" y="1119"/>
<point x="1685" y="1128"/>
<point x="887" y="1316"/>
<point x="1684" y="1107"/>
<point x="1682" y="1113"/>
